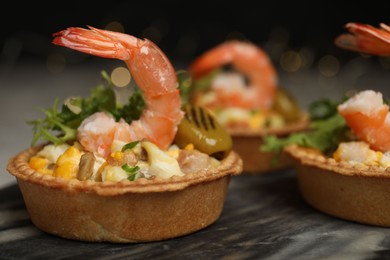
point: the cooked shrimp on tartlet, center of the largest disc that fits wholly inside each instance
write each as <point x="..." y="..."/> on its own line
<point x="343" y="162"/>
<point x="151" y="136"/>
<point x="147" y="170"/>
<point x="237" y="82"/>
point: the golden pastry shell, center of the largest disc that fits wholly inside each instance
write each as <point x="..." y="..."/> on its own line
<point x="126" y="211"/>
<point x="356" y="193"/>
<point x="247" y="144"/>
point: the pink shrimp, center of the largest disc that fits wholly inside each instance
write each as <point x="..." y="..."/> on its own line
<point x="369" y="118"/>
<point x="248" y="59"/>
<point x="366" y="39"/>
<point x="97" y="132"/>
<point x="153" y="73"/>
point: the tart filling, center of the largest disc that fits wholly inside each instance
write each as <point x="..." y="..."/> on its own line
<point x="140" y="159"/>
<point x="343" y="161"/>
<point x="19" y="167"/>
<point x="236" y="116"/>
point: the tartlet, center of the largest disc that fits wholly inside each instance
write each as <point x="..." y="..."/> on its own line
<point x="247" y="144"/>
<point x="355" y="192"/>
<point x="351" y="192"/>
<point x="126" y="211"/>
<point x="146" y="170"/>
<point x="237" y="82"/>
<point x="343" y="161"/>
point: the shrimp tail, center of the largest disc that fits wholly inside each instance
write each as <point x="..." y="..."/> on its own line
<point x="366" y="39"/>
<point x="96" y="42"/>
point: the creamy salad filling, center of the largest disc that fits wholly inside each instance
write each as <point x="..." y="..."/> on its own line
<point x="235" y="117"/>
<point x="140" y="159"/>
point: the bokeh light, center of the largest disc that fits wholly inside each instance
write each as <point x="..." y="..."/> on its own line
<point x="120" y="76"/>
<point x="307" y="57"/>
<point x="277" y="43"/>
<point x="329" y="66"/>
<point x="291" y="61"/>
<point x="156" y="31"/>
<point x="115" y="26"/>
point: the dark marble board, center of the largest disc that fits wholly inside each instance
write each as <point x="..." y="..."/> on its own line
<point x="264" y="217"/>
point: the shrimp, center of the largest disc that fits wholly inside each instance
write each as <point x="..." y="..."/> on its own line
<point x="369" y="118"/>
<point x="365" y="113"/>
<point x="98" y="131"/>
<point x="366" y="38"/>
<point x="154" y="75"/>
<point x="230" y="90"/>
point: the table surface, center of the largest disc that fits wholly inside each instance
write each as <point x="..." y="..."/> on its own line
<point x="264" y="216"/>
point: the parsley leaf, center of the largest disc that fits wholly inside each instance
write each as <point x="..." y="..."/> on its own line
<point x="60" y="126"/>
<point x="131" y="171"/>
<point x="129" y="146"/>
<point x="133" y="109"/>
<point x="188" y="86"/>
<point x="326" y="131"/>
<point x="184" y="79"/>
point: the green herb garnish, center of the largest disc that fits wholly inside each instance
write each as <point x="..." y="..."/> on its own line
<point x="60" y="126"/>
<point x="47" y="128"/>
<point x="131" y="171"/>
<point x="188" y="86"/>
<point x="133" y="109"/>
<point x="326" y="131"/>
<point x="322" y="109"/>
<point x="184" y="79"/>
<point x="130" y="145"/>
<point x="204" y="83"/>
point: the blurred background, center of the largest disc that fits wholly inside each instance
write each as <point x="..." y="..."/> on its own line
<point x="298" y="37"/>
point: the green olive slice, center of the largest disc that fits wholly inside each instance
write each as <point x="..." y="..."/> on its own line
<point x="286" y="105"/>
<point x="201" y="129"/>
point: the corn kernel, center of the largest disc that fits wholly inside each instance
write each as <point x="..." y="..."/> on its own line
<point x="117" y="155"/>
<point x="189" y="147"/>
<point x="256" y="121"/>
<point x="40" y="164"/>
<point x="67" y="164"/>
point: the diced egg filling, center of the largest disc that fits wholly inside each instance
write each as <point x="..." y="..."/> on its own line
<point x="229" y="99"/>
<point x="161" y="164"/>
<point x="361" y="153"/>
<point x="51" y="152"/>
<point x="113" y="173"/>
<point x="252" y="119"/>
<point x="143" y="160"/>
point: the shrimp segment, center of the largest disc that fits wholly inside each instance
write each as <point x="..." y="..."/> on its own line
<point x="151" y="70"/>
<point x="247" y="59"/>
<point x="366" y="38"/>
<point x="369" y="118"/>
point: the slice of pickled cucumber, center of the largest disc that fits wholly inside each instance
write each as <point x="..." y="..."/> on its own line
<point x="201" y="129"/>
<point x="286" y="105"/>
